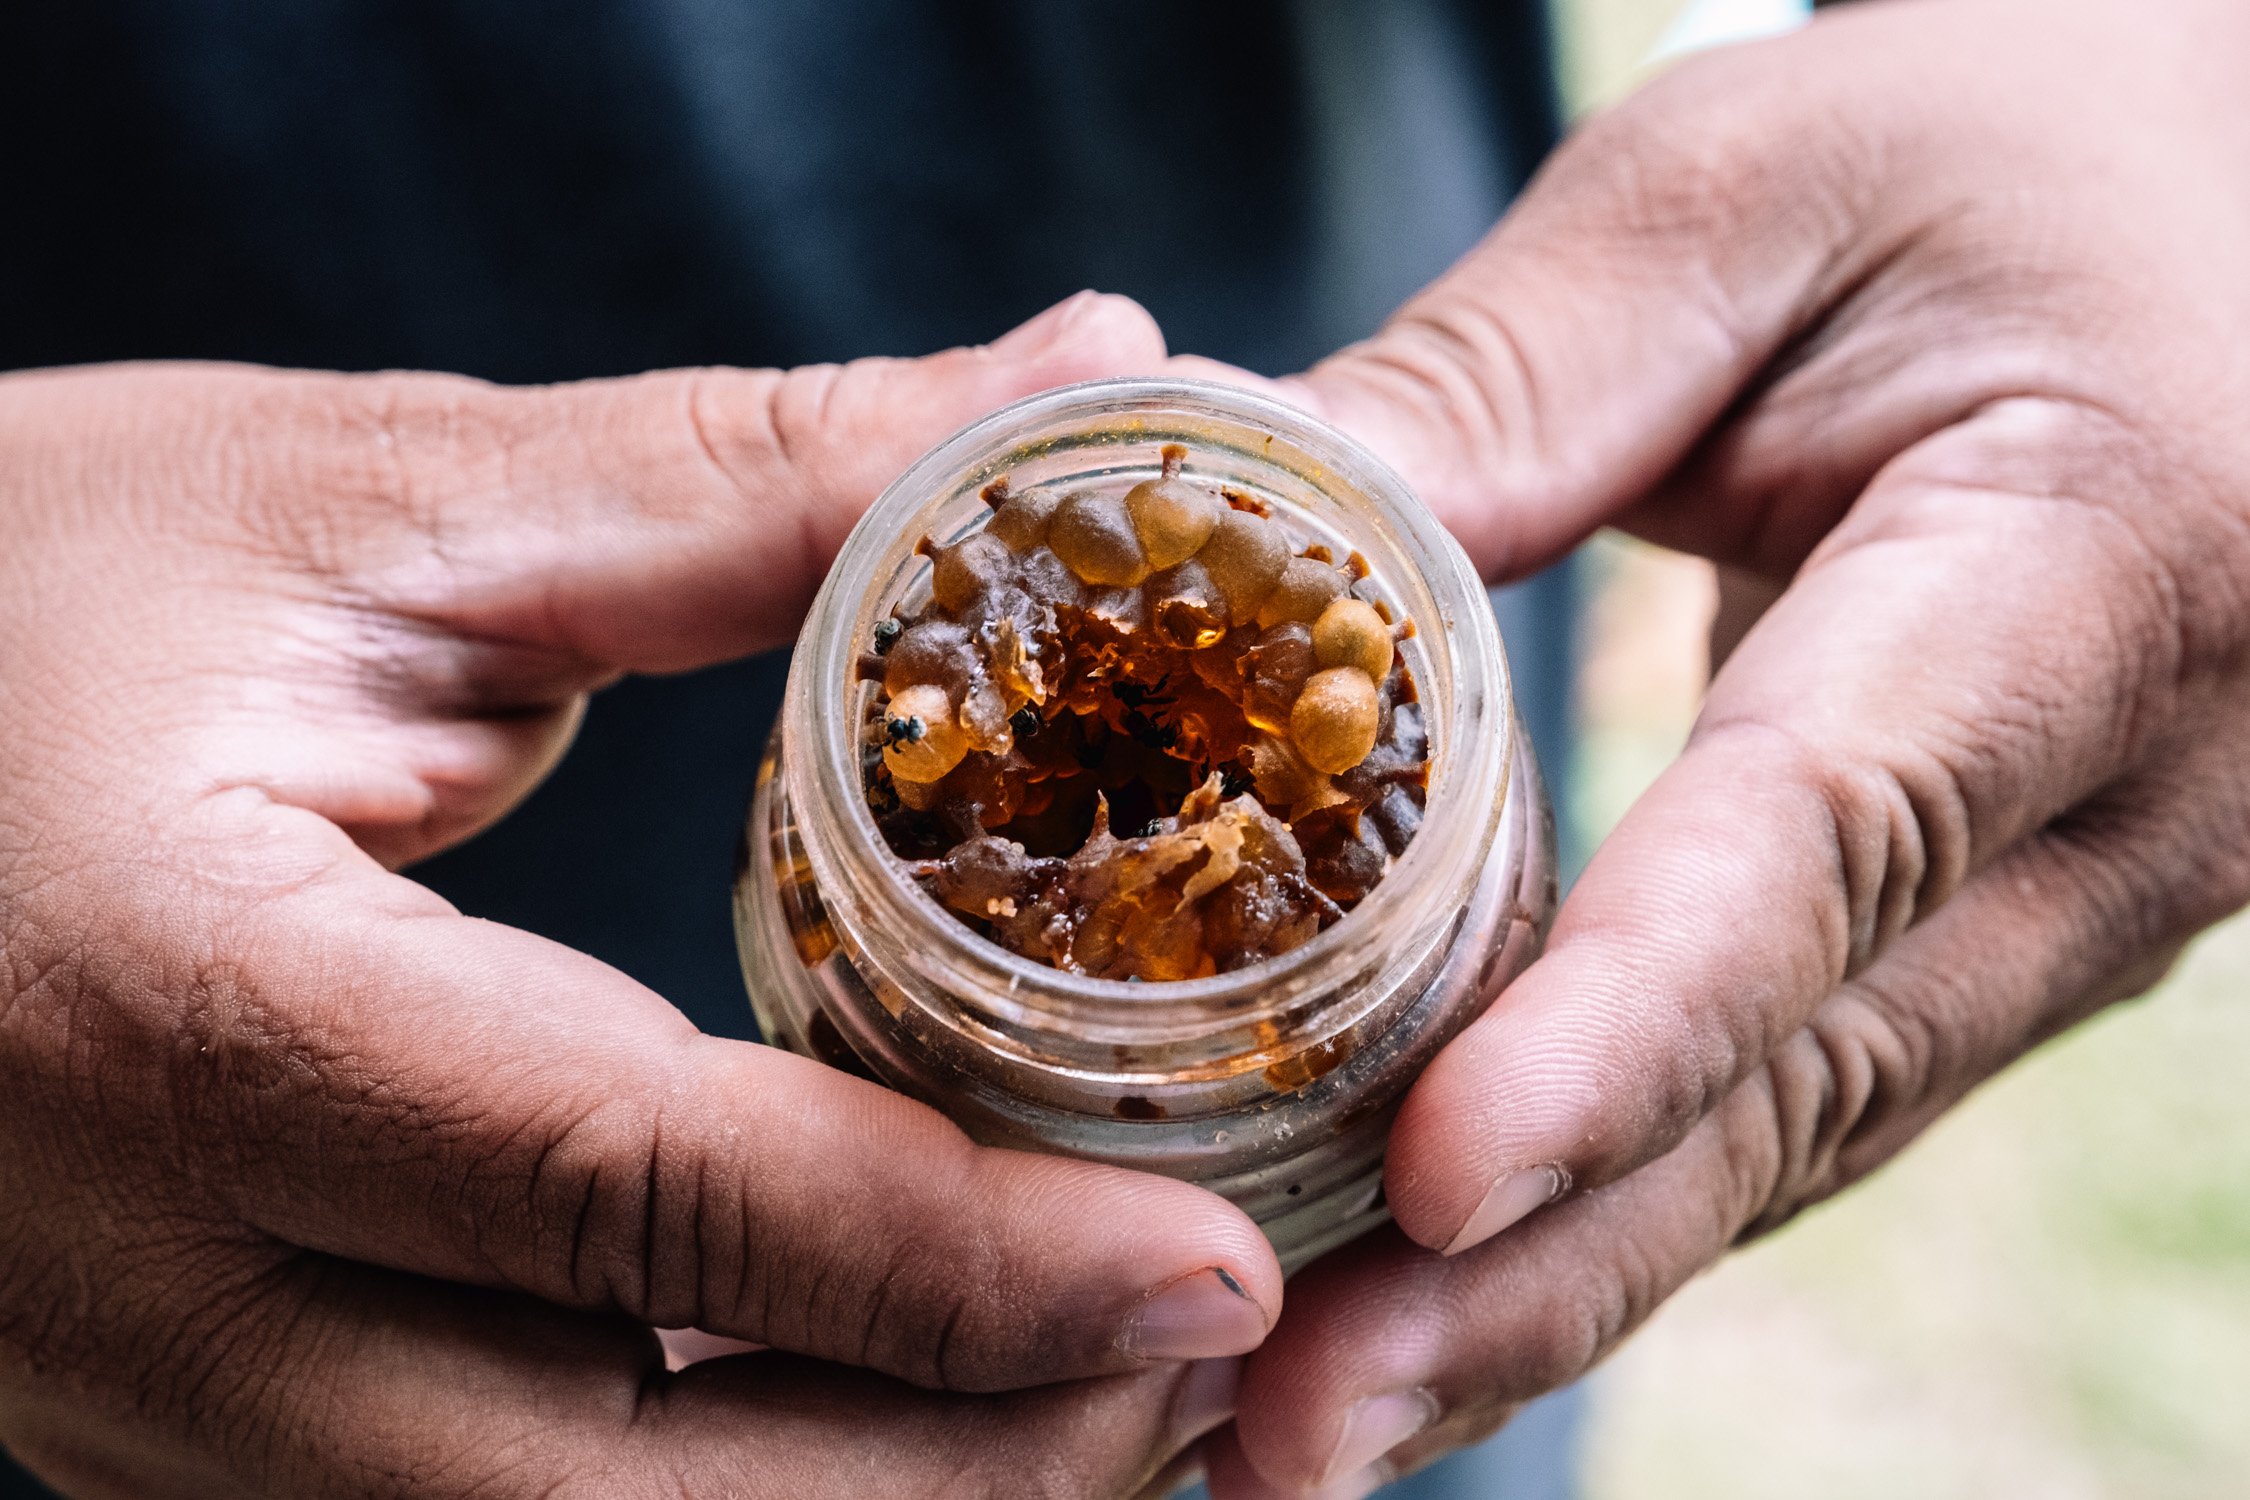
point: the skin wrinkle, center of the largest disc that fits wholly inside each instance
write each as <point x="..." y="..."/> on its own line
<point x="36" y="1347"/>
<point x="1899" y="1022"/>
<point x="823" y="381"/>
<point x="747" y="1267"/>
<point x="332" y="1078"/>
<point x="1483" y="404"/>
<point x="1832" y="1066"/>
<point x="1687" y="178"/>
<point x="499" y="1476"/>
<point x="2140" y="695"/>
<point x="643" y="1298"/>
<point x="208" y="1380"/>
<point x="772" y="1269"/>
<point x="893" y="1268"/>
<point x="552" y="1138"/>
<point x="811" y="556"/>
<point x="579" y="1231"/>
<point x="262" y="1377"/>
<point x="472" y="1122"/>
<point x="1821" y="1080"/>
<point x="36" y="967"/>
<point x="2118" y="877"/>
<point x="1837" y="908"/>
<point x="695" y="403"/>
<point x="2115" y="445"/>
<point x="941" y="1371"/>
<point x="2090" y="860"/>
<point x="1854" y="832"/>
<point x="1753" y="1153"/>
<point x="920" y="1344"/>
<point x="1901" y="1049"/>
<point x="698" y="1255"/>
<point x="768" y="395"/>
<point x="1900" y="878"/>
<point x="2005" y="385"/>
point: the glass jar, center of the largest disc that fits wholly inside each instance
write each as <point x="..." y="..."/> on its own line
<point x="1273" y="1085"/>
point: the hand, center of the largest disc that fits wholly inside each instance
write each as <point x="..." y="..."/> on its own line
<point x="1934" y="317"/>
<point x="310" y="1186"/>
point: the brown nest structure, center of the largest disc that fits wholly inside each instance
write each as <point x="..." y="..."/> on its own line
<point x="1140" y="735"/>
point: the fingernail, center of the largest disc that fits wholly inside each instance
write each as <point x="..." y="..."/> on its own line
<point x="692" y="1346"/>
<point x="1203" y="1315"/>
<point x="1204" y="1400"/>
<point x="1357" y="1485"/>
<point x="1372" y="1429"/>
<point x="1508" y="1200"/>
<point x="1047" y="328"/>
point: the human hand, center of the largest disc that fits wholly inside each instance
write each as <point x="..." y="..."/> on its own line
<point x="310" y="1186"/>
<point x="1933" y="316"/>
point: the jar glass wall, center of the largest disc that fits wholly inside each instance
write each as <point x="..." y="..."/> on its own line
<point x="1273" y="1084"/>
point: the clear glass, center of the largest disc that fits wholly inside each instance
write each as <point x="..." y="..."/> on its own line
<point x="1273" y="1085"/>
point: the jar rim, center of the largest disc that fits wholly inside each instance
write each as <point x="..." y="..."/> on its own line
<point x="1471" y="763"/>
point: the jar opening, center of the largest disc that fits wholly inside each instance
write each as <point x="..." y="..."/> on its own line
<point x="1116" y="431"/>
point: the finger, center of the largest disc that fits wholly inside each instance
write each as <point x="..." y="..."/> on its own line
<point x="1667" y="252"/>
<point x="369" y="1074"/>
<point x="1985" y="642"/>
<point x="652" y="523"/>
<point x="1387" y="1348"/>
<point x="1389" y="1354"/>
<point x="311" y="1377"/>
<point x="683" y="517"/>
<point x="1234" y="1477"/>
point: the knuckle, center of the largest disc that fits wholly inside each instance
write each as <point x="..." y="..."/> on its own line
<point x="350" y="435"/>
<point x="1464" y="365"/>
<point x="1722" y="140"/>
<point x="1893" y="820"/>
<point x="1672" y="166"/>
<point x="1750" y="1154"/>
<point x="609" y="1205"/>
<point x="1556" y="1350"/>
<point x="626" y="1208"/>
<point x="1681" y="1062"/>
<point x="884" y="1310"/>
<point x="799" y="407"/>
<point x="1894" y="1047"/>
<point x="1843" y="1071"/>
<point x="582" y="1189"/>
<point x="764" y="438"/>
<point x="1901" y="835"/>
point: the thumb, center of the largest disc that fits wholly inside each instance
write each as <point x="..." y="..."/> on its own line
<point x="1567" y="364"/>
<point x="373" y="1076"/>
<point x="665" y="521"/>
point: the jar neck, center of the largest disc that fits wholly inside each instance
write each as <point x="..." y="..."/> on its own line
<point x="1004" y="1012"/>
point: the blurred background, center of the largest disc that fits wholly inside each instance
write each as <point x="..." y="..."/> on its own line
<point x="2047" y="1297"/>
